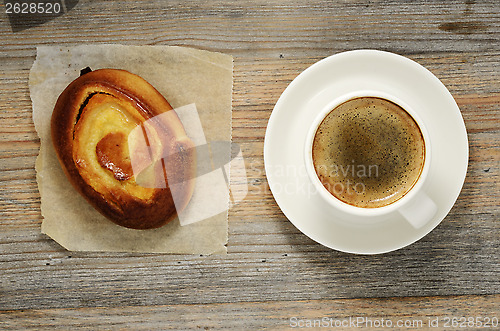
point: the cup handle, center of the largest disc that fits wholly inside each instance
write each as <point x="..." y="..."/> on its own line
<point x="419" y="210"/>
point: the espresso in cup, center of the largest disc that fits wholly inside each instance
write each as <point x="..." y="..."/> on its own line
<point x="368" y="152"/>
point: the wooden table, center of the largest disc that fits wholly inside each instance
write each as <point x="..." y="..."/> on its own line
<point x="273" y="276"/>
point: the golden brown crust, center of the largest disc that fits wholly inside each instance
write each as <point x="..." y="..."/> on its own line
<point x="102" y="174"/>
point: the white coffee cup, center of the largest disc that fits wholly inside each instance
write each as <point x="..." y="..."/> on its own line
<point x="415" y="206"/>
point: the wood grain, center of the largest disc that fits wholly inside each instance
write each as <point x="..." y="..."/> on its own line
<point x="272" y="272"/>
<point x="419" y="313"/>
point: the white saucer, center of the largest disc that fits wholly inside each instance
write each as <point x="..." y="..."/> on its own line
<point x="299" y="105"/>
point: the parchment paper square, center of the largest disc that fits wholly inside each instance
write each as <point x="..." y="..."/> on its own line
<point x="183" y="76"/>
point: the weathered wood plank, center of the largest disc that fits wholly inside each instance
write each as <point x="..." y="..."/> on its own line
<point x="271" y="26"/>
<point x="400" y="313"/>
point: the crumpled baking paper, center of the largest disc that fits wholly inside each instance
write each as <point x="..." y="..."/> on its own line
<point x="196" y="83"/>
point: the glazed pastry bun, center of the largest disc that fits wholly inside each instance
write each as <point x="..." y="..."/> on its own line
<point x="135" y="167"/>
